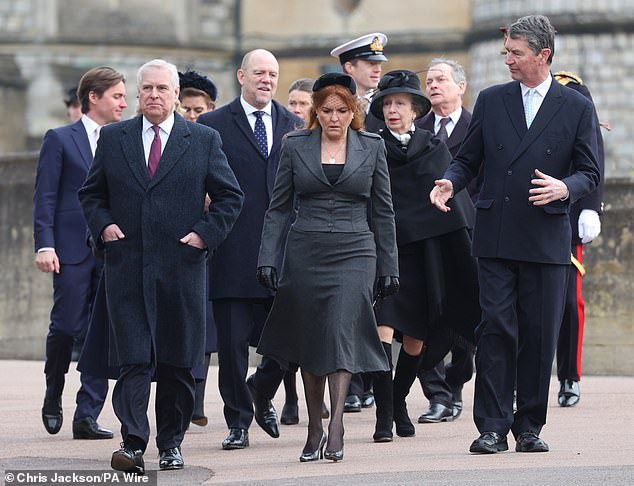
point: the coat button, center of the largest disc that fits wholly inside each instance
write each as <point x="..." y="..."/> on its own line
<point x="500" y="147"/>
<point x="509" y="172"/>
<point x="507" y="199"/>
<point x="548" y="151"/>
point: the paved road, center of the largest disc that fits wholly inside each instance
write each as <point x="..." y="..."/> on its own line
<point x="590" y="444"/>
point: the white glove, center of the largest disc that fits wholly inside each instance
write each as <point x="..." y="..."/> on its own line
<point x="589" y="225"/>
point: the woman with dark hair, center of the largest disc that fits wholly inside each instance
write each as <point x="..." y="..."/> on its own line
<point x="439" y="295"/>
<point x="322" y="316"/>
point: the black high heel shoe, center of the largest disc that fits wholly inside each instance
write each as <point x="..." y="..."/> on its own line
<point x="334" y="455"/>
<point x="317" y="453"/>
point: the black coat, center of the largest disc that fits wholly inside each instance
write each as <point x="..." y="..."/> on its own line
<point x="561" y="142"/>
<point x="155" y="285"/>
<point x="234" y="264"/>
<point x="412" y="175"/>
<point x="594" y="199"/>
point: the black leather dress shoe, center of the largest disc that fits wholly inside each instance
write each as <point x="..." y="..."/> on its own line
<point x="367" y="400"/>
<point x="128" y="460"/>
<point x="264" y="411"/>
<point x="290" y="414"/>
<point x="456" y="406"/>
<point x="52" y="415"/>
<point x="489" y="443"/>
<point x="171" y="459"/>
<point x="237" y="439"/>
<point x="352" y="404"/>
<point x="456" y="409"/>
<point x="88" y="428"/>
<point x="530" y="442"/>
<point x="436" y="413"/>
<point x="569" y="393"/>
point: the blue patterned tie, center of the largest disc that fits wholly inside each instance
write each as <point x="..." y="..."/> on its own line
<point x="260" y="134"/>
<point x="529" y="109"/>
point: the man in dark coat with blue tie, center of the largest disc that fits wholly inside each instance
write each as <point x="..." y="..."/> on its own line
<point x="144" y="201"/>
<point x="537" y="141"/>
<point x="60" y="231"/>
<point x="251" y="127"/>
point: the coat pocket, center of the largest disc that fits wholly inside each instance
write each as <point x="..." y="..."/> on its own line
<point x="484" y="203"/>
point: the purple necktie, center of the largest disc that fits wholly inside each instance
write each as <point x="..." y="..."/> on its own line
<point x="442" y="131"/>
<point x="155" y="152"/>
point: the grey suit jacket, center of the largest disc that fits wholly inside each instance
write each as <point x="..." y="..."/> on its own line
<point x="341" y="207"/>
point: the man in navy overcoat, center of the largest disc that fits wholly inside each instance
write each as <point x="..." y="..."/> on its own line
<point x="144" y="202"/>
<point x="537" y="142"/>
<point x="60" y="243"/>
<point x="241" y="305"/>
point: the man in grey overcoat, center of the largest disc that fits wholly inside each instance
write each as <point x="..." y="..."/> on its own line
<point x="144" y="202"/>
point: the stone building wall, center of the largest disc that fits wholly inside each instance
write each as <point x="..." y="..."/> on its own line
<point x="595" y="39"/>
<point x="45" y="46"/>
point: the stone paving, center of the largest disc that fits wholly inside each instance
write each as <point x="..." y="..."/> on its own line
<point x="590" y="444"/>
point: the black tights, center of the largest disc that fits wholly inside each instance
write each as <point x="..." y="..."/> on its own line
<point x="314" y="387"/>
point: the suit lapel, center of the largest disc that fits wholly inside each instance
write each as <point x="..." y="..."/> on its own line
<point x="177" y="144"/>
<point x="427" y="122"/>
<point x="512" y="100"/>
<point x="550" y="106"/>
<point x="132" y="146"/>
<point x="241" y="121"/>
<point x="279" y="125"/>
<point x="355" y="156"/>
<point x="80" y="138"/>
<point x="458" y="133"/>
<point x="311" y="156"/>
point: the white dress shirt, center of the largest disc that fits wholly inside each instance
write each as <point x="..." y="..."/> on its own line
<point x="92" y="130"/>
<point x="454" y="116"/>
<point x="267" y="119"/>
<point x="540" y="93"/>
<point x="165" y="128"/>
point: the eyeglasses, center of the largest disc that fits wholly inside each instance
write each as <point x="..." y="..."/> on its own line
<point x="329" y="79"/>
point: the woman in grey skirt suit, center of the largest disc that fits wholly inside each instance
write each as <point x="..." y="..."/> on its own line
<point x="322" y="317"/>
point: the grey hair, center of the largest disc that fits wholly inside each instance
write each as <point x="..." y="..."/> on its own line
<point x="302" y="84"/>
<point x="457" y="71"/>
<point x="159" y="64"/>
<point x="538" y="32"/>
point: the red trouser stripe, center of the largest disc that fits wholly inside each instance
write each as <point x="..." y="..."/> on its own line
<point x="580" y="307"/>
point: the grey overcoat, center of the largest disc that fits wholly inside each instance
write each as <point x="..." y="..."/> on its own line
<point x="155" y="285"/>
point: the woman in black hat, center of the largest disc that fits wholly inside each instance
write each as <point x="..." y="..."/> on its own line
<point x="439" y="288"/>
<point x="322" y="317"/>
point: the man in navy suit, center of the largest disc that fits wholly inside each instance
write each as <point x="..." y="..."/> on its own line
<point x="537" y="141"/>
<point x="60" y="244"/>
<point x="251" y="128"/>
<point x="445" y="85"/>
<point x="144" y="201"/>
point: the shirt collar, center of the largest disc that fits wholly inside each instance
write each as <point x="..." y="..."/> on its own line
<point x="542" y="88"/>
<point x="404" y="138"/>
<point x="166" y="125"/>
<point x="454" y="115"/>
<point x="89" y="124"/>
<point x="248" y="109"/>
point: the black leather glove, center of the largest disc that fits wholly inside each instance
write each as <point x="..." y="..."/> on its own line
<point x="267" y="277"/>
<point x="387" y="286"/>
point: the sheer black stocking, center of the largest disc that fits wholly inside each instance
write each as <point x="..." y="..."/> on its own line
<point x="314" y="387"/>
<point x="338" y="384"/>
